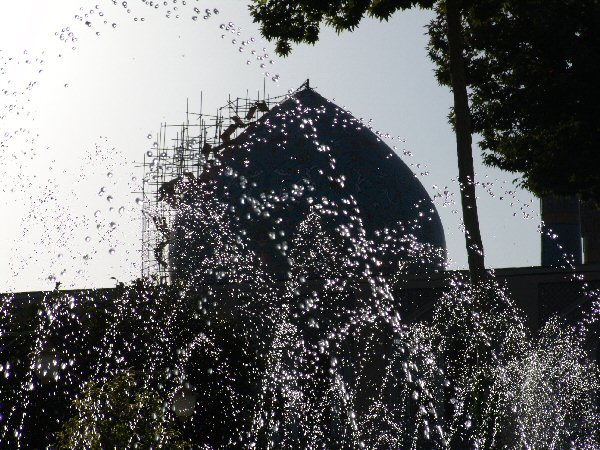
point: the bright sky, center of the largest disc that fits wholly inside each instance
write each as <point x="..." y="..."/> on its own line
<point x="76" y="110"/>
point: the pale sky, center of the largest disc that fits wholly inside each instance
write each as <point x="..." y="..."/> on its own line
<point x="82" y="123"/>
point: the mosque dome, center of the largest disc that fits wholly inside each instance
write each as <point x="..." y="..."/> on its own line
<point x="305" y="165"/>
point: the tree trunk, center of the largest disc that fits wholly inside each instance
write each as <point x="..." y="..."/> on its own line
<point x="462" y="126"/>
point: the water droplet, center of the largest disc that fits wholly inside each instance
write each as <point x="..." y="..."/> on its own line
<point x="121" y="210"/>
<point x="114" y="25"/>
<point x="111" y="251"/>
<point x="109" y="198"/>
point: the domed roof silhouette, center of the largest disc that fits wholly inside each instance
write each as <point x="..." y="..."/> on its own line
<point x="306" y="155"/>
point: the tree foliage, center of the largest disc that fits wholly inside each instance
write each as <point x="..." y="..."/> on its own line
<point x="300" y="21"/>
<point x="119" y="414"/>
<point x="533" y="68"/>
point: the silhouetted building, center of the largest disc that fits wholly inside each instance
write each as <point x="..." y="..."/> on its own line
<point x="308" y="154"/>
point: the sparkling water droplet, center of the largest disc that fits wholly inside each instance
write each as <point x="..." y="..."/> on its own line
<point x="111" y="251"/>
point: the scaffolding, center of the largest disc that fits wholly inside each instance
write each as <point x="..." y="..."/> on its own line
<point x="181" y="151"/>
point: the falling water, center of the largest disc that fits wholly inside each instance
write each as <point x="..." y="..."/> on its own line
<point x="286" y="324"/>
